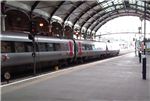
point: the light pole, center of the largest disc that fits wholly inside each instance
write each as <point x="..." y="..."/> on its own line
<point x="139" y="46"/>
<point x="139" y="28"/>
<point x="135" y="45"/>
<point x="141" y="19"/>
<point x="144" y="58"/>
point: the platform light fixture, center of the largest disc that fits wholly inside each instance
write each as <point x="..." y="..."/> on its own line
<point x="41" y="24"/>
<point x="76" y="33"/>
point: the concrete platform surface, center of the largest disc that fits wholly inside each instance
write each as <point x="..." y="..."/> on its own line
<point x="114" y="79"/>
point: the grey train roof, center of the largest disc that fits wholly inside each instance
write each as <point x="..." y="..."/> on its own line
<point x="13" y="36"/>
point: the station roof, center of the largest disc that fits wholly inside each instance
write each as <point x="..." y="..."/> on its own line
<point x="89" y="14"/>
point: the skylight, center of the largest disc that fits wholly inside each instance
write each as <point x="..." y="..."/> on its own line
<point x="110" y="5"/>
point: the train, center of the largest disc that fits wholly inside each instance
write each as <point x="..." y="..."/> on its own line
<point x="17" y="51"/>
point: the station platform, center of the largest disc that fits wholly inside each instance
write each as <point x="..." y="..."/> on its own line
<point x="113" y="79"/>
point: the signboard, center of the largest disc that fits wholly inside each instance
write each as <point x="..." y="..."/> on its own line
<point x="148" y="46"/>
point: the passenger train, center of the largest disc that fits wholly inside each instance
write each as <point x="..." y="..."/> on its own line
<point x="17" y="49"/>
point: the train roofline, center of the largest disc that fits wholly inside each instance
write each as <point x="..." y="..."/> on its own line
<point x="25" y="34"/>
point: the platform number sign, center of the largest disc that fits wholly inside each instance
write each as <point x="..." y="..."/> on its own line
<point x="7" y="75"/>
<point x="148" y="46"/>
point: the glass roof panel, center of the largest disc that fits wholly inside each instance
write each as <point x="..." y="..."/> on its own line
<point x="110" y="4"/>
<point x="117" y="1"/>
<point x="100" y="1"/>
<point x="132" y="1"/>
<point x="108" y="9"/>
<point x="140" y="8"/>
<point x="119" y="6"/>
<point x="140" y="3"/>
<point x="104" y="4"/>
<point x="120" y="1"/>
<point x="133" y="6"/>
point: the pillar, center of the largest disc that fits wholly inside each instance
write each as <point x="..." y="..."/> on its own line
<point x="50" y="31"/>
<point x="3" y="22"/>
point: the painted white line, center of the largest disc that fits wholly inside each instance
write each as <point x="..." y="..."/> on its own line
<point x="69" y="68"/>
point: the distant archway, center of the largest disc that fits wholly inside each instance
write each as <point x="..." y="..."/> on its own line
<point x="57" y="29"/>
<point x="41" y="29"/>
<point x="16" y="20"/>
<point x="68" y="32"/>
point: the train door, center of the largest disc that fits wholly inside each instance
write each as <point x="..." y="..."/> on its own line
<point x="80" y="49"/>
<point x="71" y="48"/>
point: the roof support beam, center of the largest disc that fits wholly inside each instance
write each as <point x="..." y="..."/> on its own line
<point x="115" y="16"/>
<point x="56" y="8"/>
<point x="129" y="13"/>
<point x="124" y="3"/>
<point x="34" y="5"/>
<point x="84" y="13"/>
<point x="73" y="9"/>
<point x="3" y="7"/>
<point x="111" y="11"/>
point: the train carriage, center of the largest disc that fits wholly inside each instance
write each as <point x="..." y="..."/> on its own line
<point x="113" y="49"/>
<point x="16" y="51"/>
<point x="86" y="50"/>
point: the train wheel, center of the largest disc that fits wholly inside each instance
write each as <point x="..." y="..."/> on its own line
<point x="66" y="63"/>
<point x="77" y="62"/>
<point x="81" y="60"/>
<point x="59" y="64"/>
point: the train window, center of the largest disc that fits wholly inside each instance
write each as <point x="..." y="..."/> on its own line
<point x="50" y="47"/>
<point x="42" y="47"/>
<point x="83" y="46"/>
<point x="87" y="47"/>
<point x="57" y="47"/>
<point x="29" y="46"/>
<point x="64" y="46"/>
<point x="90" y="47"/>
<point x="19" y="47"/>
<point x="93" y="47"/>
<point x="5" y="47"/>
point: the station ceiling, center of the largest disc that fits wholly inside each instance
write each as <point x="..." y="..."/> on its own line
<point x="86" y="13"/>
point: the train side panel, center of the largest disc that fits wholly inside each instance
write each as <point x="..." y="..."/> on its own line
<point x="113" y="49"/>
<point x="89" y="49"/>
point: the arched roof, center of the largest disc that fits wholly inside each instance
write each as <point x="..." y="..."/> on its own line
<point x="88" y="14"/>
